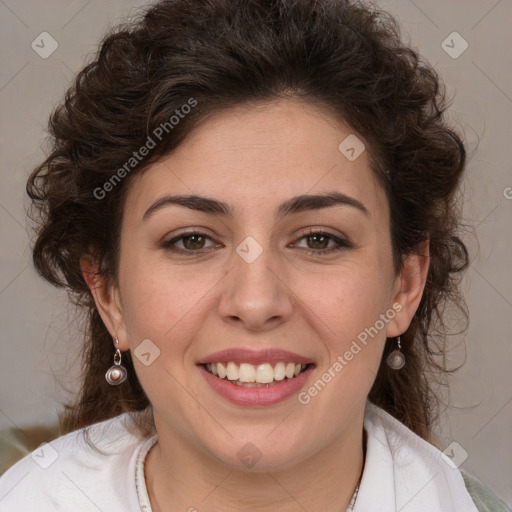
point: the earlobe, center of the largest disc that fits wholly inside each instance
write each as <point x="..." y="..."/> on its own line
<point x="412" y="280"/>
<point x="104" y="294"/>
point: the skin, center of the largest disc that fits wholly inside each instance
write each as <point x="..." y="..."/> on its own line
<point x="255" y="158"/>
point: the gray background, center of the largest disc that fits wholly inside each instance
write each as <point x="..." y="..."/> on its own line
<point x="39" y="346"/>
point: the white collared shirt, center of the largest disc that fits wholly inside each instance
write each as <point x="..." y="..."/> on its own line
<point x="402" y="472"/>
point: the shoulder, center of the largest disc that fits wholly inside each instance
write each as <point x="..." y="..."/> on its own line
<point x="413" y="457"/>
<point x="485" y="500"/>
<point x="78" y="471"/>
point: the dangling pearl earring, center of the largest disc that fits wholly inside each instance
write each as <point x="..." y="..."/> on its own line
<point x="116" y="373"/>
<point x="396" y="359"/>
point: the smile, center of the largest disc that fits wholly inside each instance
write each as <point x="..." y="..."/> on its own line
<point x="249" y="375"/>
<point x="255" y="394"/>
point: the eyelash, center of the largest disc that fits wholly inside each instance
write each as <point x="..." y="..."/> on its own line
<point x="342" y="244"/>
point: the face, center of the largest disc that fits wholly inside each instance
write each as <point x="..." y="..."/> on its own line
<point x="256" y="279"/>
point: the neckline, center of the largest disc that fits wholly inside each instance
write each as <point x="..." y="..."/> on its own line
<point x="140" y="480"/>
<point x="142" y="491"/>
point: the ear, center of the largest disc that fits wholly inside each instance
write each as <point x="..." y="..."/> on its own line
<point x="409" y="288"/>
<point x="107" y="299"/>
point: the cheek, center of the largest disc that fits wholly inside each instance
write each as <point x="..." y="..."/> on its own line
<point x="163" y="303"/>
<point x="347" y="298"/>
<point x="346" y="307"/>
<point x="345" y="310"/>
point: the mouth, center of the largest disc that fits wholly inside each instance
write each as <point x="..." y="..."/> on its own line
<point x="254" y="376"/>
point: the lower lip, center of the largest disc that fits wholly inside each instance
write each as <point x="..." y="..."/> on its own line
<point x="256" y="396"/>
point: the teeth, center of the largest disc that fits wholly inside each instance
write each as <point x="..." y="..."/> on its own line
<point x="232" y="371"/>
<point x="247" y="373"/>
<point x="265" y="373"/>
<point x="279" y="371"/>
<point x="262" y="374"/>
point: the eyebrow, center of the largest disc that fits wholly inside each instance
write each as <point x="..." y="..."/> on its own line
<point x="294" y="205"/>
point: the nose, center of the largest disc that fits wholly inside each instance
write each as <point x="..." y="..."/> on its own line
<point x="256" y="294"/>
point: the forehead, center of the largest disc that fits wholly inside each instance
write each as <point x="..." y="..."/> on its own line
<point x="254" y="155"/>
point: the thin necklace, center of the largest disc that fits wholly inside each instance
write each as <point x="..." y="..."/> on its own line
<point x="350" y="507"/>
<point x="352" y="503"/>
<point x="353" y="500"/>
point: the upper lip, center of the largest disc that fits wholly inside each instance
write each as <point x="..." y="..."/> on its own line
<point x="256" y="357"/>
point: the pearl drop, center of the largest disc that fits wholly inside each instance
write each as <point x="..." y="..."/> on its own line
<point x="396" y="360"/>
<point x="116" y="375"/>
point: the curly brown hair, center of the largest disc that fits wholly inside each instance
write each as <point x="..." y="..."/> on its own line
<point x="347" y="56"/>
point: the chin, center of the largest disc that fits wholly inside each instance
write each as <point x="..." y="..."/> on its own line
<point x="259" y="456"/>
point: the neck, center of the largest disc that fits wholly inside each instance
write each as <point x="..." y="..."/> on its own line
<point x="178" y="477"/>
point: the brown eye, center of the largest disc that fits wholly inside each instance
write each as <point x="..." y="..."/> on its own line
<point x="193" y="242"/>
<point x="318" y="241"/>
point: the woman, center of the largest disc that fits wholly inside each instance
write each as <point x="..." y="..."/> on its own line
<point x="256" y="204"/>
